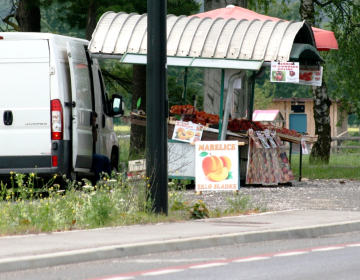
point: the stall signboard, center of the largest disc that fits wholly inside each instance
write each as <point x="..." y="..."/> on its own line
<point x="311" y="77"/>
<point x="217" y="166"/>
<point x="284" y="72"/>
<point x="187" y="131"/>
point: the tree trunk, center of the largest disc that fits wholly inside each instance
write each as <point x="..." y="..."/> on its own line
<point x="91" y="20"/>
<point x="28" y="16"/>
<point x="320" y="152"/>
<point x="138" y="132"/>
<point x="212" y="77"/>
<point x="307" y="11"/>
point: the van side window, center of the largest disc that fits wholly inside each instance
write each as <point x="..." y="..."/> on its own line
<point x="104" y="96"/>
<point x="83" y="93"/>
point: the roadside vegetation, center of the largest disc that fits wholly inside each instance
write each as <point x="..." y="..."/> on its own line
<point x="117" y="201"/>
<point x="341" y="166"/>
<point x="29" y="205"/>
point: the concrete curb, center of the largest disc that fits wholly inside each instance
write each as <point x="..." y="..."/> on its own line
<point x="118" y="251"/>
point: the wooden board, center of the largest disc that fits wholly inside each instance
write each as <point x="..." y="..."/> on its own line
<point x="207" y="135"/>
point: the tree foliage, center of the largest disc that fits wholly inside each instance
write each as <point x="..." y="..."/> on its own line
<point x="345" y="22"/>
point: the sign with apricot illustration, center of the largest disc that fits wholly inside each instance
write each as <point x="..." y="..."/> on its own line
<point x="216" y="165"/>
<point x="187" y="131"/>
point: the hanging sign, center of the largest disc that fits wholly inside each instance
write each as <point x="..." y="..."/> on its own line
<point x="304" y="146"/>
<point x="284" y="72"/>
<point x="311" y="77"/>
<point x="217" y="166"/>
<point x="187" y="131"/>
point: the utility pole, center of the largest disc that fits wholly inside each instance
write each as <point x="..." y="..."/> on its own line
<point x="157" y="108"/>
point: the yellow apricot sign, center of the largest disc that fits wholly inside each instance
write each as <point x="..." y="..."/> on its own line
<point x="187" y="131"/>
<point x="217" y="165"/>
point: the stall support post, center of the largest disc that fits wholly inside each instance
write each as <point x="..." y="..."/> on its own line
<point x="290" y="152"/>
<point x="250" y="116"/>
<point x="221" y="102"/>
<point x="300" y="165"/>
<point x="185" y="85"/>
<point x="157" y="108"/>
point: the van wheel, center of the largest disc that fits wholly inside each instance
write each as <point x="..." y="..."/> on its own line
<point x="114" y="162"/>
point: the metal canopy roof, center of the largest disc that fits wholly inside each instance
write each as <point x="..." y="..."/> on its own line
<point x="212" y="43"/>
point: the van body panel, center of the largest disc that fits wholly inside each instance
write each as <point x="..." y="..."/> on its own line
<point x="105" y="122"/>
<point x="25" y="92"/>
<point x="82" y="108"/>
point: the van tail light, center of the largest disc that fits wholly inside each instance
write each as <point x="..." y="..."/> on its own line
<point x="54" y="161"/>
<point x="57" y="127"/>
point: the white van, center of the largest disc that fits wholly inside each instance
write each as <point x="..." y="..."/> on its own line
<point x="49" y="89"/>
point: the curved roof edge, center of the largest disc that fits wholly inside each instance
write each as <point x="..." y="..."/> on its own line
<point x="117" y="34"/>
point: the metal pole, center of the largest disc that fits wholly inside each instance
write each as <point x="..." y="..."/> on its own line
<point x="251" y="107"/>
<point x="185" y="85"/>
<point x="221" y="102"/>
<point x="290" y="152"/>
<point x="157" y="106"/>
<point x="300" y="166"/>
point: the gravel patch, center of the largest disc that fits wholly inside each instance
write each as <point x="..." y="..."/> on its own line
<point x="340" y="195"/>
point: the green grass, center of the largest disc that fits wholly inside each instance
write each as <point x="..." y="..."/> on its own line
<point x="353" y="130"/>
<point x="122" y="129"/>
<point x="112" y="202"/>
<point x="124" y="143"/>
<point x="341" y="166"/>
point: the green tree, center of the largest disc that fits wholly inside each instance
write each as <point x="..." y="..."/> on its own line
<point x="339" y="13"/>
<point x="26" y="13"/>
<point x="345" y="22"/>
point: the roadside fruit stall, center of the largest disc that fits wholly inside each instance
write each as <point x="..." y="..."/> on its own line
<point x="242" y="45"/>
<point x="262" y="159"/>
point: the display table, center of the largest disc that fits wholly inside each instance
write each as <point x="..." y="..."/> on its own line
<point x="212" y="134"/>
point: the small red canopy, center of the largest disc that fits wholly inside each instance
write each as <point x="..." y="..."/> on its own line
<point x="325" y="40"/>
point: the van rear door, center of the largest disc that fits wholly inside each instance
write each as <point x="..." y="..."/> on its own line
<point x="82" y="141"/>
<point x="25" y="139"/>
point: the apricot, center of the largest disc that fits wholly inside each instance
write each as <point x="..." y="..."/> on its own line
<point x="218" y="175"/>
<point x="287" y="177"/>
<point x="182" y="135"/>
<point x="211" y="164"/>
<point x="226" y="162"/>
<point x="181" y="129"/>
<point x="189" y="134"/>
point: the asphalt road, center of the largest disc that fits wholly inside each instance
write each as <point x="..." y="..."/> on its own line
<point x="327" y="257"/>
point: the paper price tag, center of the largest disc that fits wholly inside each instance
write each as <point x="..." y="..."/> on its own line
<point x="263" y="140"/>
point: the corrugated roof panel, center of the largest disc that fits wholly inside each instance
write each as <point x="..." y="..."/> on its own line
<point x="288" y="40"/>
<point x="274" y="41"/>
<point x="237" y="39"/>
<point x="200" y="37"/>
<point x="186" y="37"/>
<point x="220" y="34"/>
<point x="262" y="40"/>
<point x="175" y="35"/>
<point x="138" y="35"/>
<point x="100" y="32"/>
<point x="170" y="21"/>
<point x="117" y="34"/>
<point x="249" y="40"/>
<point x="224" y="37"/>
<point x="119" y="30"/>
<point x="259" y="41"/>
<point x="211" y="39"/>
